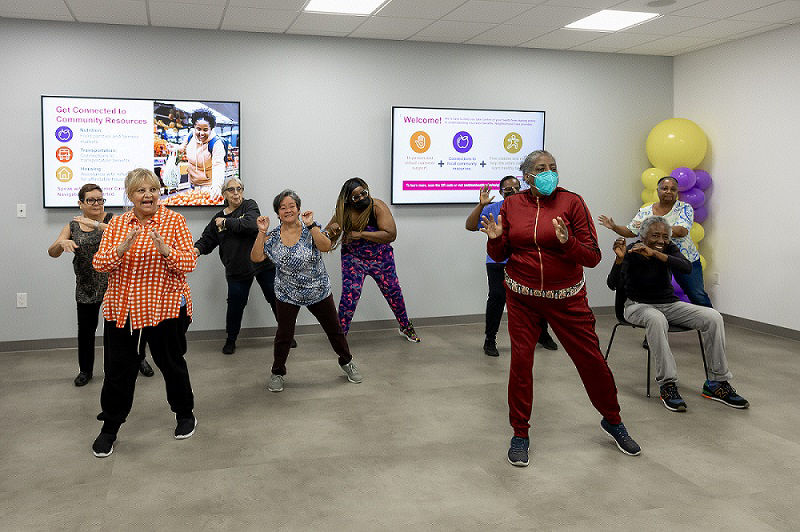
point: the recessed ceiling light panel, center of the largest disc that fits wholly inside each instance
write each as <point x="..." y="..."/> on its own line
<point x="344" y="7"/>
<point x="611" y="20"/>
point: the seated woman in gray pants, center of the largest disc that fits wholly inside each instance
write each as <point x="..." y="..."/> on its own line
<point x="644" y="270"/>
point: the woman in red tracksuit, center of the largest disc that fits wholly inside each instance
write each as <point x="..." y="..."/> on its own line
<point x="548" y="236"/>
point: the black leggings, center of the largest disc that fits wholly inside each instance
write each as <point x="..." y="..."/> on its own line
<point x="88" y="318"/>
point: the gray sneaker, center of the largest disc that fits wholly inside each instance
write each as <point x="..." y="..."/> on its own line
<point x="352" y="372"/>
<point x="275" y="383"/>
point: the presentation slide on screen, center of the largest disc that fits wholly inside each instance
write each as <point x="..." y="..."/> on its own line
<point x="192" y="146"/>
<point x="446" y="155"/>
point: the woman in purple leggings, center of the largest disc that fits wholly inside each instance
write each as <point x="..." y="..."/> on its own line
<point x="367" y="229"/>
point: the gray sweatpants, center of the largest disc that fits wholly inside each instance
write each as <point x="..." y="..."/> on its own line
<point x="656" y="317"/>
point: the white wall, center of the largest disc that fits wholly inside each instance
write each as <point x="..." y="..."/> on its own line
<point x="316" y="111"/>
<point x="745" y="97"/>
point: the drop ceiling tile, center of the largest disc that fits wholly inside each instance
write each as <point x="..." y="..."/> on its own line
<point x="451" y="31"/>
<point x="185" y="15"/>
<point x="390" y="27"/>
<point x="432" y="9"/>
<point x="641" y="6"/>
<point x="588" y="4"/>
<point x="483" y="11"/>
<point x="36" y="9"/>
<point x="666" y="46"/>
<point x="780" y="12"/>
<point x="132" y="12"/>
<point x="326" y="23"/>
<point x="591" y="47"/>
<point x="290" y="5"/>
<point x="720" y="9"/>
<point x="320" y="33"/>
<point x="254" y="19"/>
<point x="552" y="16"/>
<point x="562" y="39"/>
<point x="721" y="29"/>
<point x="621" y="40"/>
<point x="762" y="29"/>
<point x="508" y="35"/>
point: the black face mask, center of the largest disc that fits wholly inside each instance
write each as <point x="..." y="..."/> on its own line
<point x="361" y="204"/>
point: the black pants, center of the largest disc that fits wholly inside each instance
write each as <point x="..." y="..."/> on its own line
<point x="88" y="318"/>
<point x="496" y="302"/>
<point x="238" y="293"/>
<point x="325" y="312"/>
<point x="167" y="342"/>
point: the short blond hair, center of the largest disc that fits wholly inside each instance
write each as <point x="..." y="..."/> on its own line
<point x="139" y="176"/>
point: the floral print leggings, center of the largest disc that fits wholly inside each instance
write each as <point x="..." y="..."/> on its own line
<point x="378" y="264"/>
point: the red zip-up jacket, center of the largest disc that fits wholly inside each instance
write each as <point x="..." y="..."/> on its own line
<point x="536" y="258"/>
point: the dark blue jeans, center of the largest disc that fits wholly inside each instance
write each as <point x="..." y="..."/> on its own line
<point x="238" y="293"/>
<point x="692" y="284"/>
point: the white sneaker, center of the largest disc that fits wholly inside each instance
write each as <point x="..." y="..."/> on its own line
<point x="352" y="372"/>
<point x="275" y="383"/>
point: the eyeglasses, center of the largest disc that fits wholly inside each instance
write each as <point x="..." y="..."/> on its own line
<point x="237" y="190"/>
<point x="94" y="201"/>
<point x="509" y="190"/>
<point x="358" y="197"/>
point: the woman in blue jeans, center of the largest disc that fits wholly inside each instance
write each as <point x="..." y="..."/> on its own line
<point x="234" y="230"/>
<point x="680" y="215"/>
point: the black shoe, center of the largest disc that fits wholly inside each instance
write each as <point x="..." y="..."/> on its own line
<point x="230" y="347"/>
<point x="546" y="341"/>
<point x="671" y="398"/>
<point x="104" y="444"/>
<point x="82" y="379"/>
<point x="185" y="428"/>
<point x="145" y="369"/>
<point x="490" y="348"/>
<point x="621" y="437"/>
<point x="724" y="393"/>
<point x="293" y="344"/>
<point x="518" y="451"/>
<point x="645" y="345"/>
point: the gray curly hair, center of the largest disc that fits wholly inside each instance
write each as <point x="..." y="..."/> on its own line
<point x="648" y="223"/>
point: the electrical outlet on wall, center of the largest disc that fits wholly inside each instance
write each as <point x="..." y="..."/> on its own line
<point x="22" y="299"/>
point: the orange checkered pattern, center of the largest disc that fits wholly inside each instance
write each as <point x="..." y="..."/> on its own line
<point x="144" y="284"/>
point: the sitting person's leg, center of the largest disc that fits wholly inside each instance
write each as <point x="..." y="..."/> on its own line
<point x="656" y="326"/>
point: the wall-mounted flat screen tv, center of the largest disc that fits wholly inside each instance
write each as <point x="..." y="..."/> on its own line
<point x="191" y="145"/>
<point x="442" y="155"/>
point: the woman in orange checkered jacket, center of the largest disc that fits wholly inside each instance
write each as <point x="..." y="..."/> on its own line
<point x="147" y="252"/>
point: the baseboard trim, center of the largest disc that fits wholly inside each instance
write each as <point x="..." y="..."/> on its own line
<point x="374" y="325"/>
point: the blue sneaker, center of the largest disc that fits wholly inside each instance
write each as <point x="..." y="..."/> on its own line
<point x="620" y="435"/>
<point x="671" y="398"/>
<point x="518" y="451"/>
<point x="723" y="392"/>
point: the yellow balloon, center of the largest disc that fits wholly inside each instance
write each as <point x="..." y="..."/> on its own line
<point x="651" y="176"/>
<point x="649" y="196"/>
<point x="703" y="262"/>
<point x="697" y="232"/>
<point x="676" y="142"/>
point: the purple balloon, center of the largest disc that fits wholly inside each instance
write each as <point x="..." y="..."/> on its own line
<point x="694" y="197"/>
<point x="703" y="179"/>
<point x="679" y="293"/>
<point x="700" y="214"/>
<point x="685" y="178"/>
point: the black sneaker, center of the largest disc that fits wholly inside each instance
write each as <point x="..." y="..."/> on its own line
<point x="620" y="435"/>
<point x="671" y="398"/>
<point x="185" y="428"/>
<point x="230" y="347"/>
<point x="490" y="348"/>
<point x="546" y="341"/>
<point x="82" y="379"/>
<point x="293" y="344"/>
<point x="145" y="369"/>
<point x="104" y="444"/>
<point x="723" y="392"/>
<point x="518" y="451"/>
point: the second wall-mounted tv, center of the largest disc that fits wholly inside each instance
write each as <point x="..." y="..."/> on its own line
<point x="442" y="155"/>
<point x="191" y="145"/>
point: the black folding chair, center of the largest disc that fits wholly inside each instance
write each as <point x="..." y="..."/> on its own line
<point x="619" y="306"/>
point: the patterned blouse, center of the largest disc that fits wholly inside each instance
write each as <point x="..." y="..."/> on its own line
<point x="90" y="285"/>
<point x="144" y="284"/>
<point x="682" y="215"/>
<point x="300" y="275"/>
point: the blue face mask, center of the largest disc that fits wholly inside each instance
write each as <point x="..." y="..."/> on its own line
<point x="546" y="182"/>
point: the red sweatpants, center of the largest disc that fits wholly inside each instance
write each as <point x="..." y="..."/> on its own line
<point x="573" y="323"/>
